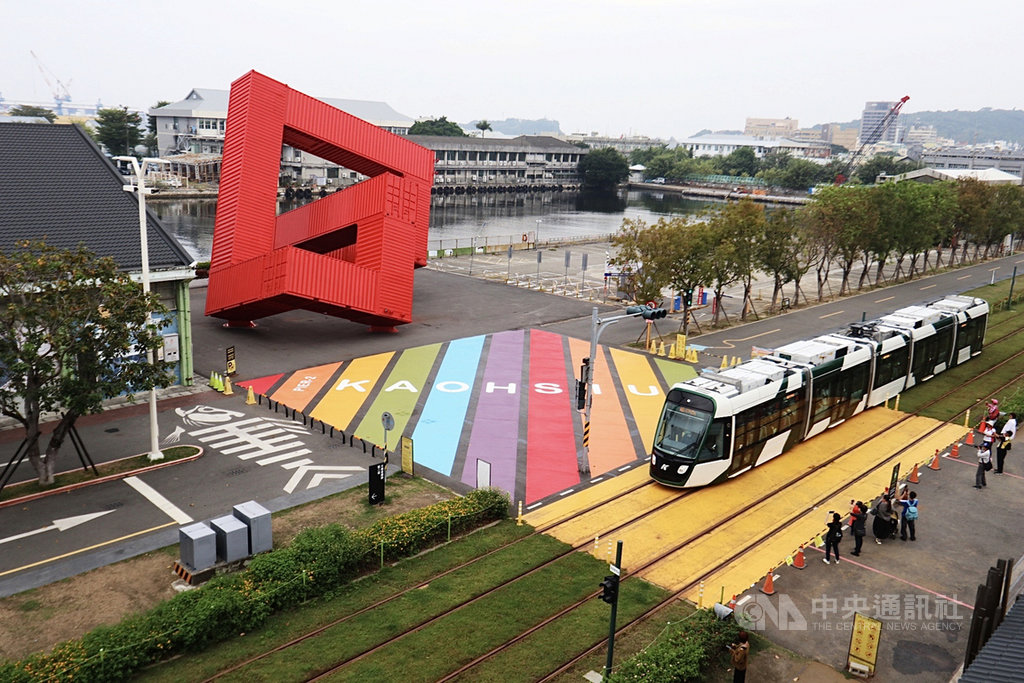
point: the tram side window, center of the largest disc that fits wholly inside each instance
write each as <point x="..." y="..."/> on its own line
<point x="971" y="334"/>
<point x="944" y="344"/>
<point x="824" y="391"/>
<point x="716" y="443"/>
<point x="891" y="366"/>
<point x="856" y="382"/>
<point x="925" y="353"/>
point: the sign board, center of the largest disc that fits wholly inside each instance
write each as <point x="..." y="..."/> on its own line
<point x="584" y="261"/>
<point x="378" y="473"/>
<point x="864" y="643"/>
<point x="405" y="446"/>
<point x="171" y="352"/>
<point x="614" y="570"/>
<point x="894" y="480"/>
<point x="230" y="354"/>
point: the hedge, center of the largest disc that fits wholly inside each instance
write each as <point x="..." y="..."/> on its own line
<point x="317" y="560"/>
<point x="685" y="652"/>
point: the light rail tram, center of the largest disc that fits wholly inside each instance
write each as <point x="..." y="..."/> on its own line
<point x="722" y="423"/>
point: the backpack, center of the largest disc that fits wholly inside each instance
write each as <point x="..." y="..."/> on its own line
<point x="911" y="512"/>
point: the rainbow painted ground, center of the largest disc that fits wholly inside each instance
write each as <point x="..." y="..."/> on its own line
<point x="494" y="409"/>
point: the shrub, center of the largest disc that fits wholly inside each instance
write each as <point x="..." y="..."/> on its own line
<point x="684" y="654"/>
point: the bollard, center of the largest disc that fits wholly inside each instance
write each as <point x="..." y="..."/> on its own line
<point x="700" y="595"/>
<point x="896" y="406"/>
<point x="519" y="517"/>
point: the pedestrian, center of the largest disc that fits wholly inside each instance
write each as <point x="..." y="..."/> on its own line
<point x="832" y="537"/>
<point x="984" y="464"/>
<point x="992" y="410"/>
<point x="739" y="650"/>
<point x="908" y="517"/>
<point x="1006" y="435"/>
<point x="881" y="526"/>
<point x="988" y="434"/>
<point x="859" y="516"/>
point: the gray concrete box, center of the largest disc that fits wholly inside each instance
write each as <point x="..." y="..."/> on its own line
<point x="198" y="546"/>
<point x="257" y="518"/>
<point x="232" y="538"/>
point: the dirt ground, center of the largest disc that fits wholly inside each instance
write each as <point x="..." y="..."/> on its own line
<point x="36" y="620"/>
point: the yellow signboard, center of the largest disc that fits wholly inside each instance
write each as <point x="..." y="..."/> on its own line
<point x="864" y="643"/>
<point x="406" y="448"/>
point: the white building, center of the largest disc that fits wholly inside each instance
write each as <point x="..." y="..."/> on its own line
<point x="723" y="145"/>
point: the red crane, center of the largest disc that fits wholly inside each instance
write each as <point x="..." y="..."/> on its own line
<point x="874" y="136"/>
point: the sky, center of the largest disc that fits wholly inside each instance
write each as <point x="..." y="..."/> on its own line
<point x="662" y="68"/>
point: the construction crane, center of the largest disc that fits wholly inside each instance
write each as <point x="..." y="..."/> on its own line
<point x="60" y="90"/>
<point x="874" y="136"/>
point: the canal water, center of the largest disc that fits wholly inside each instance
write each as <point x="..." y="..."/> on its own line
<point x="458" y="220"/>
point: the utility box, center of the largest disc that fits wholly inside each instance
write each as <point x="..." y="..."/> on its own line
<point x="232" y="538"/>
<point x="198" y="546"/>
<point x="257" y="519"/>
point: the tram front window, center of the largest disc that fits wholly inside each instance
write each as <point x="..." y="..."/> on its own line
<point x="681" y="431"/>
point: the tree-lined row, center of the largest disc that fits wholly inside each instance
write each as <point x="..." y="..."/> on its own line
<point x="908" y="226"/>
<point x="776" y="168"/>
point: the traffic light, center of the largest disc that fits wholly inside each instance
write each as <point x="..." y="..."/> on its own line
<point x="647" y="312"/>
<point x="688" y="297"/>
<point x="581" y="395"/>
<point x="610" y="589"/>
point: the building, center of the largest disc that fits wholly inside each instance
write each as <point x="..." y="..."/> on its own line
<point x="771" y="128"/>
<point x="872" y="116"/>
<point x="989" y="176"/>
<point x="1011" y="161"/>
<point x="723" y="145"/>
<point x="196" y="124"/>
<point x="60" y="188"/>
<point x="528" y="161"/>
<point x="837" y="135"/>
<point x="624" y="144"/>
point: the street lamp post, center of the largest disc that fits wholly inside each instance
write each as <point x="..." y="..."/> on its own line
<point x="140" y="187"/>
<point x="536" y="234"/>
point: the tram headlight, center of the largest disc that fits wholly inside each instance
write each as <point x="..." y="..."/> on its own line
<point x="681" y="469"/>
<point x="654" y="460"/>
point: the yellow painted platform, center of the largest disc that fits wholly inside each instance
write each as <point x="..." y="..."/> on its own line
<point x="713" y="511"/>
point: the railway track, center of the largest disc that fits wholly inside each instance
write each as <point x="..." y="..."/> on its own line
<point x="337" y="669"/>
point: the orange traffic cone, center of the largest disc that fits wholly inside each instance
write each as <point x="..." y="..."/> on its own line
<point x="769" y="587"/>
<point x="955" y="453"/>
<point x="935" y="461"/>
<point x="970" y="438"/>
<point x="913" y="475"/>
<point x="798" y="559"/>
<point x="732" y="603"/>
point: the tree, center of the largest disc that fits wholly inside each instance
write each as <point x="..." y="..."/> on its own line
<point x="118" y="130"/>
<point x="883" y="163"/>
<point x="743" y="225"/>
<point x="72" y="334"/>
<point x="603" y="169"/>
<point x="483" y="125"/>
<point x="29" y="110"/>
<point x="441" y="126"/>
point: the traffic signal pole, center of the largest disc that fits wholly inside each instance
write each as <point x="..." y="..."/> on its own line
<point x="616" y="569"/>
<point x="597" y="326"/>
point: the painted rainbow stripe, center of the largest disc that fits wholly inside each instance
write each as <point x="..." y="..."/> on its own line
<point x="495" y="410"/>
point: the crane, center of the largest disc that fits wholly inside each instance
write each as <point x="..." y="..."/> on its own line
<point x="874" y="136"/>
<point x="60" y="90"/>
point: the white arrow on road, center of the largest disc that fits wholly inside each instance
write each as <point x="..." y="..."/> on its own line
<point x="317" y="478"/>
<point x="58" y="524"/>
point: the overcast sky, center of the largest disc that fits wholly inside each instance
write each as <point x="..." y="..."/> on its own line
<point x="652" y="67"/>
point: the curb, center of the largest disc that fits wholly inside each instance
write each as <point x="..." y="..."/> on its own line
<point x="110" y="477"/>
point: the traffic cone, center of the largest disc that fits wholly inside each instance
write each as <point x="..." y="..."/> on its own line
<point x="935" y="461"/>
<point x="227" y="386"/>
<point x="250" y="397"/>
<point x="219" y="379"/>
<point x="672" y="352"/>
<point x="970" y="438"/>
<point x="213" y="381"/>
<point x="955" y="452"/>
<point x="725" y="363"/>
<point x="798" y="559"/>
<point x="913" y="475"/>
<point x="661" y="349"/>
<point x="769" y="585"/>
<point x="732" y="603"/>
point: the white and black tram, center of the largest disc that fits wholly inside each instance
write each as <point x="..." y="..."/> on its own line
<point x="723" y="422"/>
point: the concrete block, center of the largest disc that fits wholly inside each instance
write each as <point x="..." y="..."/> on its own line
<point x="257" y="519"/>
<point x="198" y="546"/>
<point x="232" y="538"/>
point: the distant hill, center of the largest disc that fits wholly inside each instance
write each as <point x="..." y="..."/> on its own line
<point x="968" y="127"/>
<point x="516" y="127"/>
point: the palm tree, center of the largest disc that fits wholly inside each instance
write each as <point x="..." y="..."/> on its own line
<point x="484" y="125"/>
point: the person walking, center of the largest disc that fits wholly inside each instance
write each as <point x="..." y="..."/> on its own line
<point x="740" y="650"/>
<point x="984" y="464"/>
<point x="1006" y="435"/>
<point x="881" y="526"/>
<point x="988" y="434"/>
<point x="908" y="516"/>
<point x="859" y="516"/>
<point x="832" y="537"/>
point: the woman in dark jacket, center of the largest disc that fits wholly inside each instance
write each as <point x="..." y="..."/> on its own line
<point x="860" y="516"/>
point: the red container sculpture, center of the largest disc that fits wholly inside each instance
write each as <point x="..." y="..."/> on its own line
<point x="350" y="254"/>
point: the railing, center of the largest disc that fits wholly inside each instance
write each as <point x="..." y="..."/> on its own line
<point x="496" y="244"/>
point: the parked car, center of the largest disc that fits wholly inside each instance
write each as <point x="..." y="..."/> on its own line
<point x="658" y="181"/>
